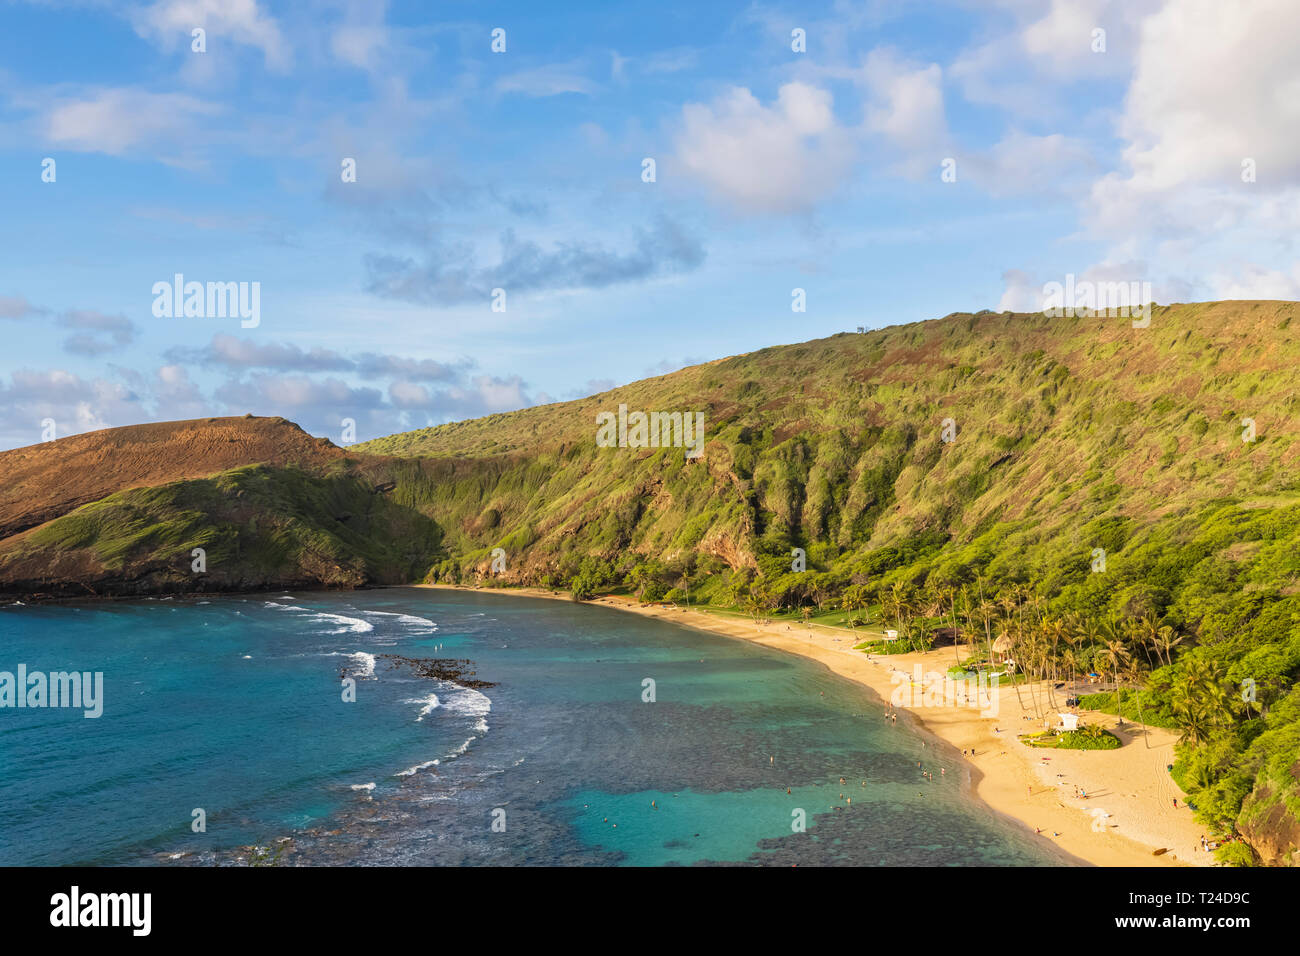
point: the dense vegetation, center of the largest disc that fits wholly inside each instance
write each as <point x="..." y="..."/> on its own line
<point x="1071" y="435"/>
<point x="1097" y="512"/>
<point x="257" y="527"/>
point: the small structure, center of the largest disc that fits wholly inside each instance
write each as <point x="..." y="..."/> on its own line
<point x="1069" y="721"/>
<point x="891" y="635"/>
<point x="1002" y="645"/>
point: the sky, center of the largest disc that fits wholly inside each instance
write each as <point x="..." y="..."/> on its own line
<point x="503" y="242"/>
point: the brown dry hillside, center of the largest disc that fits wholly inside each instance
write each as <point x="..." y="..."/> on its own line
<point x="42" y="482"/>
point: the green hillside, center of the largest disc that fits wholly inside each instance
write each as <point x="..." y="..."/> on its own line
<point x="259" y="527"/>
<point x="1071" y="437"/>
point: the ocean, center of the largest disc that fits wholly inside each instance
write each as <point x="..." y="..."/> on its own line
<point x="605" y="738"/>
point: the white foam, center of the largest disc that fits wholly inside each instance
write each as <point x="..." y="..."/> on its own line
<point x="347" y="625"/>
<point x="425" y="625"/>
<point x="364" y="786"/>
<point x="365" y="661"/>
<point x="471" y="703"/>
<point x="409" y="771"/>
<point x="430" y="704"/>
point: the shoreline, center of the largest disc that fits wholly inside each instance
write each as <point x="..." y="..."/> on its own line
<point x="1034" y="788"/>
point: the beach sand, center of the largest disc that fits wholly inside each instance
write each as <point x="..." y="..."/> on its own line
<point x="1130" y="784"/>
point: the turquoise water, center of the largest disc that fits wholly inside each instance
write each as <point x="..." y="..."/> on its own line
<point x="234" y="705"/>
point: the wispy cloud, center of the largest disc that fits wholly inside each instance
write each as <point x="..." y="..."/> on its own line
<point x="451" y="273"/>
<point x="231" y="352"/>
<point x="552" y="80"/>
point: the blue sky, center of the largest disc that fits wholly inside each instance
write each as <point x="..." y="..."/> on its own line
<point x="522" y="170"/>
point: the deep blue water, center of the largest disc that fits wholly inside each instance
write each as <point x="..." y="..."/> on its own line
<point x="234" y="705"/>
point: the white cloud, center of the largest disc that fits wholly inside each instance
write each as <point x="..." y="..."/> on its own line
<point x="16" y="307"/>
<point x="905" y="102"/>
<point x="75" y="404"/>
<point x="1251" y="281"/>
<point x="1020" y="292"/>
<point x="1023" y="164"/>
<point x="358" y="46"/>
<point x="117" y="120"/>
<point x="1213" y="84"/>
<point x="781" y="158"/>
<point x="170" y="22"/>
<point x="546" y="81"/>
<point x="1022" y="66"/>
<point x="96" y="332"/>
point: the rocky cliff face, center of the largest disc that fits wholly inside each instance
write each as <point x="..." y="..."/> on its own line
<point x="1269" y="827"/>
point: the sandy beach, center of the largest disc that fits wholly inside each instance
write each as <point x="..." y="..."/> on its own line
<point x="1129" y="812"/>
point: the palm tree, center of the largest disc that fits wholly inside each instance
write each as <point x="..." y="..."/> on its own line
<point x="1146" y="633"/>
<point x="1189" y="715"/>
<point x="1056" y="630"/>
<point x="968" y="609"/>
<point x="1070" y="659"/>
<point x="1089" y="632"/>
<point x="1092" y="731"/>
<point x="1168" y="639"/>
<point x="903" y="606"/>
<point x="988" y="613"/>
<point x="1116" y="655"/>
<point x="952" y="615"/>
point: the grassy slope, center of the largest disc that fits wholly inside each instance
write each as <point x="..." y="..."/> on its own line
<point x="260" y="526"/>
<point x="42" y="482"/>
<point x="1073" y="434"/>
<point x="1082" y="432"/>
